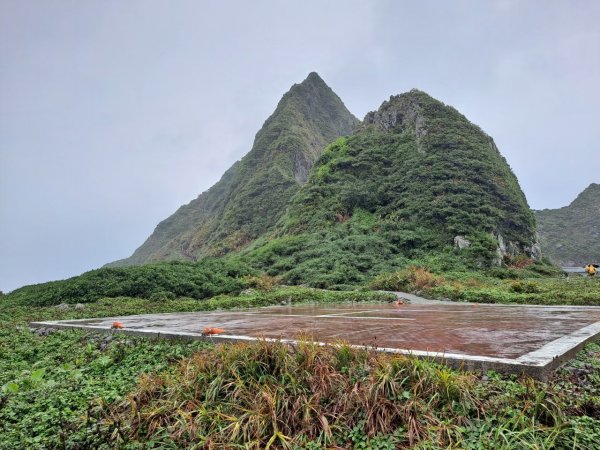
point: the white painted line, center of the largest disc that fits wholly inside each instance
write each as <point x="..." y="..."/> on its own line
<point x="355" y="312"/>
<point x="328" y="316"/>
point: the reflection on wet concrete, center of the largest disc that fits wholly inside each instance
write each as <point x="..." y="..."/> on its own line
<point x="487" y="330"/>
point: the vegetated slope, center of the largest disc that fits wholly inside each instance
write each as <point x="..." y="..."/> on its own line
<point x="253" y="194"/>
<point x="412" y="178"/>
<point x="570" y="236"/>
<point x="158" y="281"/>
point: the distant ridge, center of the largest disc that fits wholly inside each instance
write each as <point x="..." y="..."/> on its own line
<point x="570" y="236"/>
<point x="253" y="194"/>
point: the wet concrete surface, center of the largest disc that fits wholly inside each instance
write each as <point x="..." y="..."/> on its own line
<point x="463" y="329"/>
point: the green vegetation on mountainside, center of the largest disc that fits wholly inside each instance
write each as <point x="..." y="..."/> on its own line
<point x="158" y="281"/>
<point x="570" y="236"/>
<point x="254" y="192"/>
<point x="414" y="176"/>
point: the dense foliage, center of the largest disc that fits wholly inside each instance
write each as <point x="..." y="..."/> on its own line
<point x="451" y="179"/>
<point x="159" y="281"/>
<point x="254" y="192"/>
<point x="414" y="176"/>
<point x="495" y="286"/>
<point x="570" y="236"/>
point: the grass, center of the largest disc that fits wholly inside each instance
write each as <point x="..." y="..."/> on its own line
<point x="73" y="389"/>
<point x="264" y="395"/>
<point x="523" y="287"/>
<point x="55" y="387"/>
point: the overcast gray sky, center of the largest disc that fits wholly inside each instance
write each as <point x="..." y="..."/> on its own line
<point x="115" y="113"/>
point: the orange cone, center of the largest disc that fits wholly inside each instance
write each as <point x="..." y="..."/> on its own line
<point x="210" y="331"/>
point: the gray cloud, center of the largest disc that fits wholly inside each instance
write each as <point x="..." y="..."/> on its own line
<point x="113" y="114"/>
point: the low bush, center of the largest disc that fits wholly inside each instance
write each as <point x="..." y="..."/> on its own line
<point x="527" y="287"/>
<point x="410" y="279"/>
<point x="500" y="285"/>
<point x="263" y="282"/>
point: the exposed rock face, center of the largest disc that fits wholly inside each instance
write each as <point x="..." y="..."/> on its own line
<point x="302" y="166"/>
<point x="511" y="249"/>
<point x="253" y="194"/>
<point x="460" y="242"/>
<point x="400" y="111"/>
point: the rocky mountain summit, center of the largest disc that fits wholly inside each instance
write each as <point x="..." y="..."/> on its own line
<point x="570" y="236"/>
<point x="414" y="178"/>
<point x="253" y="194"/>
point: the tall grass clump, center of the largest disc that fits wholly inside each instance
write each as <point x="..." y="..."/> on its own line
<point x="412" y="278"/>
<point x="270" y="395"/>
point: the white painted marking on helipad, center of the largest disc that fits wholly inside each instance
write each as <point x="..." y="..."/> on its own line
<point x="354" y="312"/>
<point x="329" y="316"/>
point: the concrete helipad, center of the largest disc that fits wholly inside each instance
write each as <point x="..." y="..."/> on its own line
<point x="529" y="339"/>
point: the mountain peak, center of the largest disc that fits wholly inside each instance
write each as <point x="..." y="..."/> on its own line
<point x="313" y="76"/>
<point x="588" y="196"/>
<point x="254" y="192"/>
<point x="312" y="86"/>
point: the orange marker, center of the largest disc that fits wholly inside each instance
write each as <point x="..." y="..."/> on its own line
<point x="208" y="331"/>
<point x="399" y="302"/>
<point x="117" y="325"/>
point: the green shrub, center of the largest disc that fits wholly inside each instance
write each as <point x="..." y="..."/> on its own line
<point x="263" y="282"/>
<point x="412" y="278"/>
<point x="528" y="287"/>
<point x="161" y="296"/>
